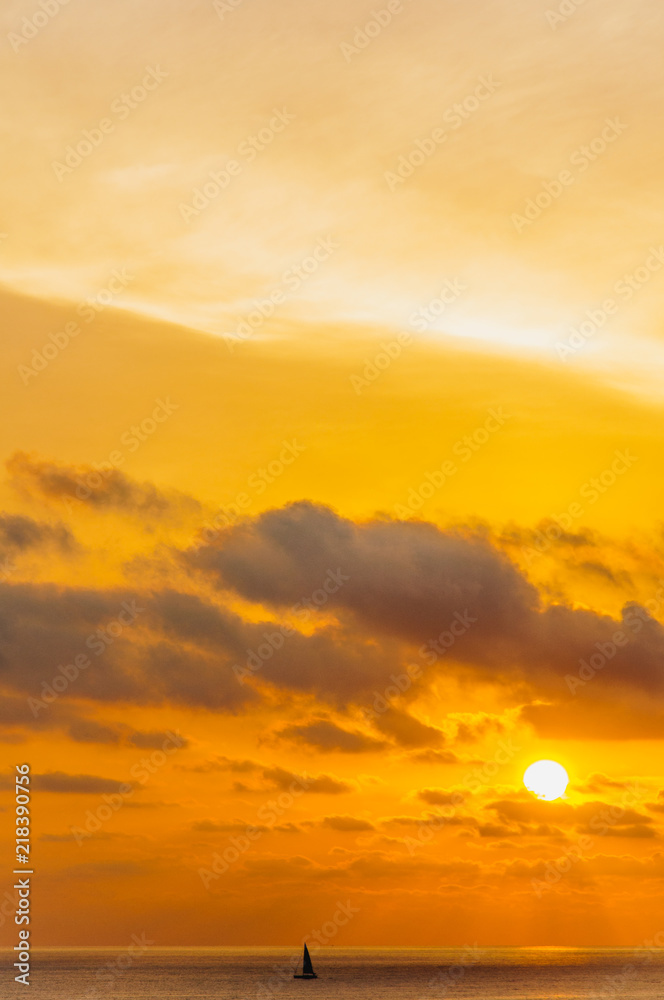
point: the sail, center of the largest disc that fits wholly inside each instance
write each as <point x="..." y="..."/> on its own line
<point x="307" y="967"/>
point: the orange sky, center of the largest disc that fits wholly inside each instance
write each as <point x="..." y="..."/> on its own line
<point x="332" y="487"/>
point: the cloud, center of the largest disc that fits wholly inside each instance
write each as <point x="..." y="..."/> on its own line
<point x="589" y="869"/>
<point x="638" y="830"/>
<point x="347" y="824"/>
<point x="326" y="737"/>
<point x="406" y="582"/>
<point x="89" y="731"/>
<point x="408" y="731"/>
<point x="412" y="582"/>
<point x="77" y="784"/>
<point x="17" y="720"/>
<point x="439" y="797"/>
<point x="178" y="648"/>
<point x="322" y="784"/>
<point x="150" y="655"/>
<point x="403" y="578"/>
<point x="20" y="534"/>
<point x="539" y="539"/>
<point x="434" y="757"/>
<point x="596" y="568"/>
<point x="221" y="763"/>
<point x="494" y="830"/>
<point x="238" y="826"/>
<point x="378" y="870"/>
<point x="594" y="818"/>
<point x="153" y="740"/>
<point x="413" y="820"/>
<point x="275" y="777"/>
<point x="98" y="488"/>
<point x="657" y="806"/>
<point x="598" y="782"/>
<point x="334" y="662"/>
<point x="474" y="727"/>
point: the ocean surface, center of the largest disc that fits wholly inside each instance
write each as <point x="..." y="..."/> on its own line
<point x="344" y="973"/>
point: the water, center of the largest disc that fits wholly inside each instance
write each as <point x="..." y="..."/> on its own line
<point x="345" y="974"/>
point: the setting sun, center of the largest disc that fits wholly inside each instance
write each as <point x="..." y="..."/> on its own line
<point x="546" y="779"/>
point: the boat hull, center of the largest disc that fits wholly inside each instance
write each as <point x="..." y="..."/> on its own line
<point x="308" y="975"/>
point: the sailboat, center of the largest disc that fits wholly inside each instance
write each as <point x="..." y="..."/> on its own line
<point x="307" y="967"/>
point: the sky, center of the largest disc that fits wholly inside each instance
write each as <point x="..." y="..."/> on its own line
<point x="331" y="469"/>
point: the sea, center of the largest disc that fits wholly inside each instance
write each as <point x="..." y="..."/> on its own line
<point x="344" y="974"/>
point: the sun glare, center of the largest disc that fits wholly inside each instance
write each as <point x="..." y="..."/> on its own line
<point x="546" y="779"/>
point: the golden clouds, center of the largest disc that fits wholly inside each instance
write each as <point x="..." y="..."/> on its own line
<point x="551" y="94"/>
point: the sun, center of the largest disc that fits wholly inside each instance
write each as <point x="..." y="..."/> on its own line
<point x="546" y="779"/>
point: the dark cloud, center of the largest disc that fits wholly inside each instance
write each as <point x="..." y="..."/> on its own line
<point x="105" y="488"/>
<point x="407" y="579"/>
<point x="153" y="740"/>
<point x="14" y="712"/>
<point x="220" y="763"/>
<point x="408" y="731"/>
<point x="326" y="737"/>
<point x="392" y="584"/>
<point x="636" y="830"/>
<point x="272" y="778"/>
<point x="547" y="533"/>
<point x="177" y="648"/>
<point x="137" y="649"/>
<point x="17" y="720"/>
<point x="88" y="731"/>
<point x="493" y="830"/>
<point x="412" y="581"/>
<point x="593" y="818"/>
<point x="659" y="805"/>
<point x="78" y="784"/>
<point x="322" y="784"/>
<point x="439" y="797"/>
<point x="21" y="534"/>
<point x="407" y="820"/>
<point x="347" y="824"/>
<point x="238" y="766"/>
<point x="333" y="662"/>
<point x="596" y="568"/>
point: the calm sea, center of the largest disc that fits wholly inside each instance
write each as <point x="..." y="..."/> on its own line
<point x="344" y="973"/>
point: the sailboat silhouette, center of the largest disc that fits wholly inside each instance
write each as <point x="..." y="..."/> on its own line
<point x="307" y="967"/>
